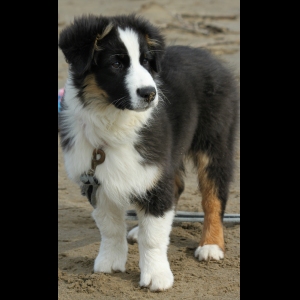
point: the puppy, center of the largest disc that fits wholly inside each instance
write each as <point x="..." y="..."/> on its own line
<point x="132" y="110"/>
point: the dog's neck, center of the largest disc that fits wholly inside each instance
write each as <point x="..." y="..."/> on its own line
<point x="113" y="126"/>
<point x="103" y="125"/>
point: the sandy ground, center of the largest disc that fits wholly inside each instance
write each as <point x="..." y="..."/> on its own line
<point x="214" y="25"/>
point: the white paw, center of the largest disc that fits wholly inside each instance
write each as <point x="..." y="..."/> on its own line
<point x="209" y="252"/>
<point x="132" y="236"/>
<point x="157" y="278"/>
<point x="110" y="261"/>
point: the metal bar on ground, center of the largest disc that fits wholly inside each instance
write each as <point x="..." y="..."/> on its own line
<point x="184" y="216"/>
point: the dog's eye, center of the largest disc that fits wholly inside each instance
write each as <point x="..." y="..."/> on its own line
<point x="145" y="61"/>
<point x="117" y="65"/>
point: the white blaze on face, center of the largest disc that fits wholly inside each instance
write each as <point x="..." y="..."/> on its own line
<point x="137" y="77"/>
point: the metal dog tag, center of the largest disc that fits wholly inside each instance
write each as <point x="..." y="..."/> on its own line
<point x="89" y="188"/>
<point x="90" y="184"/>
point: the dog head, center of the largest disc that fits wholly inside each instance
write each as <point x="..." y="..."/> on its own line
<point x="114" y="60"/>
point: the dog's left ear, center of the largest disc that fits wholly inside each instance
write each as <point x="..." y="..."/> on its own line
<point x="156" y="46"/>
<point x="79" y="41"/>
<point x="154" y="40"/>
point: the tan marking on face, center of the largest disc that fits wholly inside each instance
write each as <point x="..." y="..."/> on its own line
<point x="213" y="227"/>
<point x="93" y="95"/>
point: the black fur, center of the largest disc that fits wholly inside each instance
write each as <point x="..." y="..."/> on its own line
<point x="197" y="114"/>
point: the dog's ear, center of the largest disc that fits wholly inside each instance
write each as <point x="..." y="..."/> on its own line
<point x="78" y="41"/>
<point x="156" y="46"/>
<point x="155" y="42"/>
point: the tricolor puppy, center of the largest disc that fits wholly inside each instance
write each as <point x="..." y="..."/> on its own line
<point x="145" y="107"/>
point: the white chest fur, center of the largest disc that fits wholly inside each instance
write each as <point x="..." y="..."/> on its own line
<point x="122" y="173"/>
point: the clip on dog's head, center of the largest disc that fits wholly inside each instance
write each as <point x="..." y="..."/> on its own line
<point x="112" y="63"/>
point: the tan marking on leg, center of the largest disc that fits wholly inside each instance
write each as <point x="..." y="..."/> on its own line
<point x="212" y="227"/>
<point x="178" y="186"/>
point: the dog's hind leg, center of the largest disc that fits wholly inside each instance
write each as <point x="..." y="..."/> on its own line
<point x="179" y="183"/>
<point x="110" y="219"/>
<point x="214" y="176"/>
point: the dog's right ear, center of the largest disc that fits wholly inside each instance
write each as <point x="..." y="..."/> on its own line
<point x="78" y="41"/>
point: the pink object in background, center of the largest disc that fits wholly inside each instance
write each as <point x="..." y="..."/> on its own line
<point x="60" y="94"/>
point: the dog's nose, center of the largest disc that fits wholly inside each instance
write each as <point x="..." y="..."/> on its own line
<point x="148" y="93"/>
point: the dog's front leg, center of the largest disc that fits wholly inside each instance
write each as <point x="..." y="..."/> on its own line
<point x="153" y="240"/>
<point x="110" y="220"/>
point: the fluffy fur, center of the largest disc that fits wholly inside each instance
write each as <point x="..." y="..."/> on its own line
<point x="147" y="107"/>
